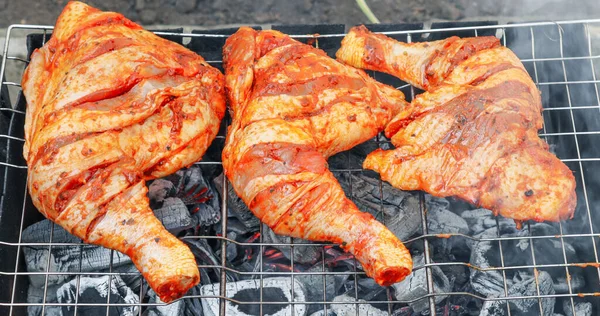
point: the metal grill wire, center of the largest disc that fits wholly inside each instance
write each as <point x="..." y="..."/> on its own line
<point x="533" y="60"/>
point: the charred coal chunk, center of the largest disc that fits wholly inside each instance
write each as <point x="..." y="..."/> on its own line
<point x="193" y="304"/>
<point x="415" y="286"/>
<point x="581" y="308"/>
<point x="440" y="218"/>
<point x="524" y="285"/>
<point x="320" y="286"/>
<point x="274" y="290"/>
<point x="35" y="295"/>
<point x="491" y="282"/>
<point x="174" y="309"/>
<point x="517" y="252"/>
<point x="398" y="210"/>
<point x="302" y="254"/>
<point x="205" y="255"/>
<point x="193" y="189"/>
<point x="236" y="207"/>
<point x="174" y="214"/>
<point x="443" y="222"/>
<point x="480" y="221"/>
<point x="97" y="290"/>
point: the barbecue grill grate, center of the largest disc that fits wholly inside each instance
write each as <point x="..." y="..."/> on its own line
<point x="561" y="57"/>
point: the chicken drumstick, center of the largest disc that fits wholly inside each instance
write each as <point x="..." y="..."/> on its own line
<point x="473" y="133"/>
<point x="110" y="105"/>
<point x="293" y="107"/>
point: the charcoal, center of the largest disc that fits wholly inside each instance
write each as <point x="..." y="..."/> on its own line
<point x="398" y="210"/>
<point x="581" y="309"/>
<point x="206" y="214"/>
<point x="577" y="283"/>
<point x="235" y="225"/>
<point x="204" y="255"/>
<point x="174" y="309"/>
<point x="527" y="287"/>
<point x="274" y="290"/>
<point x="457" y="274"/>
<point x="160" y="189"/>
<point x="313" y="283"/>
<point x="350" y="309"/>
<point x="302" y="254"/>
<point x="232" y="252"/>
<point x="198" y="194"/>
<point x="175" y="215"/>
<point x="236" y="207"/>
<point x="440" y="220"/>
<point x="524" y="285"/>
<point x="36" y="295"/>
<point x="130" y="275"/>
<point x="352" y="158"/>
<point x="193" y="305"/>
<point x="415" y="286"/>
<point x="481" y="220"/>
<point x="96" y="290"/>
<point x="487" y="283"/>
<point x="190" y="185"/>
<point x="322" y="312"/>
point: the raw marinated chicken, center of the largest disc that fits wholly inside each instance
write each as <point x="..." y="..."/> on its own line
<point x="110" y="106"/>
<point x="292" y="107"/>
<point x="473" y="133"/>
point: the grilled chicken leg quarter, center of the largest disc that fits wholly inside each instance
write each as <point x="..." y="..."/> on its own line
<point x="110" y="105"/>
<point x="293" y="107"/>
<point x="473" y="133"/>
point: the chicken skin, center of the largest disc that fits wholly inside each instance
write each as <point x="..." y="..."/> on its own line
<point x="109" y="106"/>
<point x="473" y="133"/>
<point x="292" y="108"/>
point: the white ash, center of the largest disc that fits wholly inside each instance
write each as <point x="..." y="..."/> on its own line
<point x="364" y="309"/>
<point x="581" y="308"/>
<point x="322" y="312"/>
<point x="250" y="289"/>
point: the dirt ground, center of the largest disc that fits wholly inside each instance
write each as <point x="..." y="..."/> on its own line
<point x="206" y="13"/>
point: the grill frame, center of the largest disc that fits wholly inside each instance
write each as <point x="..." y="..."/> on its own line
<point x="410" y="34"/>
